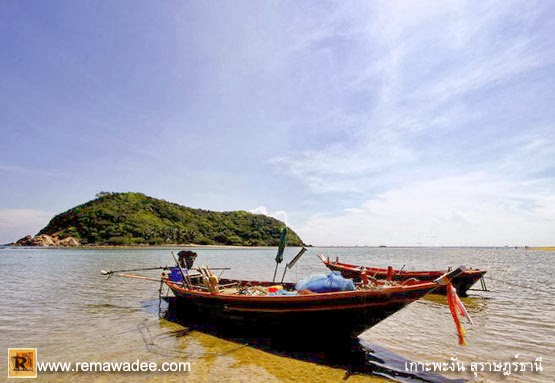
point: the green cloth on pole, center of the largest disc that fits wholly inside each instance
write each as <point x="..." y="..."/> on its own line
<point x="281" y="247"/>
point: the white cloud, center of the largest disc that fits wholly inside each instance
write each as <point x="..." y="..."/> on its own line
<point x="279" y="214"/>
<point x="349" y="167"/>
<point x="17" y="223"/>
<point x="472" y="209"/>
<point x="418" y="72"/>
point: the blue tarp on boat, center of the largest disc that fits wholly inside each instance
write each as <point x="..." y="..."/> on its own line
<point x="321" y="283"/>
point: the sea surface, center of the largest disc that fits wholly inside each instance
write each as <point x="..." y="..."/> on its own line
<point x="57" y="301"/>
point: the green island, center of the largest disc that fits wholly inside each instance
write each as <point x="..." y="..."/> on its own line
<point x="128" y="219"/>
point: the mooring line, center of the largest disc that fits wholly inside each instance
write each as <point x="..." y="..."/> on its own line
<point x="519" y="285"/>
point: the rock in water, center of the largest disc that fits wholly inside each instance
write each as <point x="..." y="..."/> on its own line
<point x="46" y="240"/>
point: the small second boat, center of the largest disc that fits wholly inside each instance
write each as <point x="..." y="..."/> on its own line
<point x="462" y="282"/>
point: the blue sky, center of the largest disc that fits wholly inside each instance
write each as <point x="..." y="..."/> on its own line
<point x="359" y="123"/>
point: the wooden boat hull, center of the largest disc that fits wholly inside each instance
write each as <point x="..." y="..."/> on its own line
<point x="462" y="282"/>
<point x="334" y="317"/>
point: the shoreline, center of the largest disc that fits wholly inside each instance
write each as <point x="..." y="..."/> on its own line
<point x="194" y="245"/>
<point x="135" y="247"/>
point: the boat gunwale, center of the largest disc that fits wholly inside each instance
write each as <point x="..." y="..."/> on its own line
<point x="325" y="296"/>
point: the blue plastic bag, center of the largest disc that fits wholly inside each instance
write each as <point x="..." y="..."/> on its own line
<point x="321" y="283"/>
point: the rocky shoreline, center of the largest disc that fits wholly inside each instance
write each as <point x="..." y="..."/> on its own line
<point x="45" y="240"/>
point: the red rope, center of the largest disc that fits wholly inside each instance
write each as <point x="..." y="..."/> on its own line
<point x="455" y="305"/>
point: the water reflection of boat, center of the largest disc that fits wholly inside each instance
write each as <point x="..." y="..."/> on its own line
<point x="474" y="303"/>
<point x="385" y="363"/>
<point x="365" y="359"/>
<point x="462" y="282"/>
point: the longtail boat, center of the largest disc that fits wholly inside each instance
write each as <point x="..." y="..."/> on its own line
<point x="329" y="312"/>
<point x="462" y="282"/>
<point x="333" y="317"/>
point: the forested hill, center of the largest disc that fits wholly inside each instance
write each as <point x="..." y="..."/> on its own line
<point x="135" y="219"/>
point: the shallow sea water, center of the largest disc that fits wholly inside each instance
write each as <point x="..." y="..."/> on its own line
<point x="58" y="302"/>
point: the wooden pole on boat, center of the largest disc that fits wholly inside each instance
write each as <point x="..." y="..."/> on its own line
<point x="138" y="277"/>
<point x="389" y="273"/>
<point x="292" y="263"/>
<point x="185" y="279"/>
<point x="103" y="272"/>
<point x="110" y="272"/>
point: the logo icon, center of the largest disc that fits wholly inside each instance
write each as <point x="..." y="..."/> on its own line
<point x="22" y="362"/>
